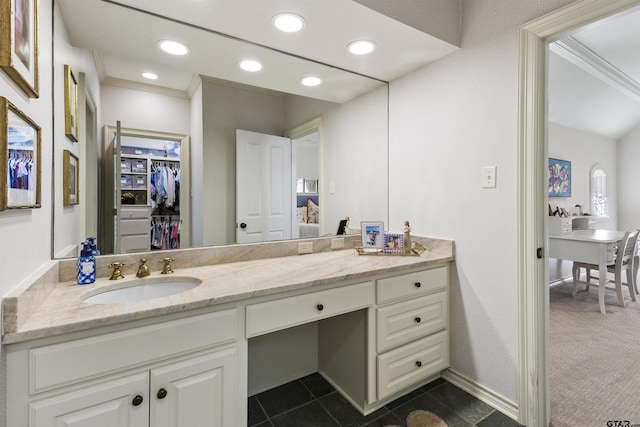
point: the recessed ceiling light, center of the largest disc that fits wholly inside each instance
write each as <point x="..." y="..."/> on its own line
<point x="251" y="65"/>
<point x="288" y="22"/>
<point x="311" y="81"/>
<point x="361" y="47"/>
<point x="173" y="47"/>
<point x="150" y="76"/>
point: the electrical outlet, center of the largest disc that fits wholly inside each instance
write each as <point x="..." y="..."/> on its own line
<point x="305" y="248"/>
<point x="337" y="243"/>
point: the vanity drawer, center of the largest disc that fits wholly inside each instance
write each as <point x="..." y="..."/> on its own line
<point x="412" y="284"/>
<point x="411" y="363"/>
<point x="283" y="313"/>
<point x="134" y="212"/>
<point x="409" y="320"/>
<point x="74" y="361"/>
<point x="134" y="226"/>
<point x="135" y="243"/>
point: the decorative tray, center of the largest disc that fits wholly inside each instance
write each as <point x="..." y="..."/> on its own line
<point x="416" y="250"/>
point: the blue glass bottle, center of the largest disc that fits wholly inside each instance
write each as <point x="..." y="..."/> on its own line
<point x="86" y="270"/>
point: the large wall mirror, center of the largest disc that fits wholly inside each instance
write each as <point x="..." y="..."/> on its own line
<point x="204" y="99"/>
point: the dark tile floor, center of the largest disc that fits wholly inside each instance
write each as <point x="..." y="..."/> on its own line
<point x="313" y="402"/>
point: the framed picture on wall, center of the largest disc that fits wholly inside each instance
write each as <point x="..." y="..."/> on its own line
<point x="19" y="43"/>
<point x="20" y="141"/>
<point x="70" y="179"/>
<point x="70" y="104"/>
<point x="310" y="185"/>
<point x="559" y="178"/>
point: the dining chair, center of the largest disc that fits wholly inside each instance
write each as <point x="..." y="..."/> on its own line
<point x="624" y="262"/>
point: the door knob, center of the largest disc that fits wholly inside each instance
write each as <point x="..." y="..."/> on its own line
<point x="243" y="225"/>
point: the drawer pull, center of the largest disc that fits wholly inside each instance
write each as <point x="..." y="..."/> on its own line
<point x="418" y="363"/>
<point x="417" y="284"/>
<point x="418" y="320"/>
<point x="137" y="401"/>
<point x="320" y="307"/>
<point x="162" y="393"/>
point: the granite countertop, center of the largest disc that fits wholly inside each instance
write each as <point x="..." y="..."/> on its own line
<point x="63" y="311"/>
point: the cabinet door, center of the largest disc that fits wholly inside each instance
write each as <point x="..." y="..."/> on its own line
<point x="110" y="404"/>
<point x="198" y="392"/>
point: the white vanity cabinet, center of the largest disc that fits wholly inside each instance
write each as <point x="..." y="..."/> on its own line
<point x="412" y="328"/>
<point x="182" y="372"/>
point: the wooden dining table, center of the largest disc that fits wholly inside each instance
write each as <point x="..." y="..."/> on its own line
<point x="589" y="246"/>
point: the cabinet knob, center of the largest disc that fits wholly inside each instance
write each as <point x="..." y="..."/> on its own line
<point x="137" y="401"/>
<point x="162" y="393"/>
<point x="417" y="284"/>
<point x="320" y="307"/>
<point x="243" y="225"/>
<point x="418" y="363"/>
<point x="418" y="320"/>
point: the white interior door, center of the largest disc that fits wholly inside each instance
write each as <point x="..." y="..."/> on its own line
<point x="263" y="187"/>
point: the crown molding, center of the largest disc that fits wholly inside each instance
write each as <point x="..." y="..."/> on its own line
<point x="580" y="55"/>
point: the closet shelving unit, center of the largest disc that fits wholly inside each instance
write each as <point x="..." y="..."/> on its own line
<point x="138" y="213"/>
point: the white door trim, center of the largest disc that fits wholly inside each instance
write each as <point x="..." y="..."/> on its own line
<point x="533" y="295"/>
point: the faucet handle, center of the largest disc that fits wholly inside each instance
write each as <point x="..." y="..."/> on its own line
<point x="117" y="273"/>
<point x="143" y="269"/>
<point x="167" y="269"/>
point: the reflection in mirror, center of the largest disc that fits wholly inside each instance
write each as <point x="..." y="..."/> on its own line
<point x="348" y="116"/>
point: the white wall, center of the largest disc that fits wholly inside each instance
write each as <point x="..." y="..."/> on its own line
<point x="225" y="109"/>
<point x="448" y="120"/>
<point x="354" y="152"/>
<point x="628" y="179"/>
<point x="140" y="109"/>
<point x="26" y="233"/>
<point x="584" y="150"/>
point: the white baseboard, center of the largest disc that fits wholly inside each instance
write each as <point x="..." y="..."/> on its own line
<point x="482" y="393"/>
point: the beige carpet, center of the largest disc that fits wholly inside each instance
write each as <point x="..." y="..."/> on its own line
<point x="595" y="359"/>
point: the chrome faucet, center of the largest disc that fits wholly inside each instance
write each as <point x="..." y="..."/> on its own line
<point x="143" y="269"/>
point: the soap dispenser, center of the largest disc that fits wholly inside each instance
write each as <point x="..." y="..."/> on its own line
<point x="92" y="246"/>
<point x="86" y="271"/>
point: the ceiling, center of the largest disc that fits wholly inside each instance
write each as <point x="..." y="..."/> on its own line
<point x="593" y="82"/>
<point x="125" y="43"/>
<point x="594" y="77"/>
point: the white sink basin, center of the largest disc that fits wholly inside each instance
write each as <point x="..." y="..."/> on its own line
<point x="144" y="289"/>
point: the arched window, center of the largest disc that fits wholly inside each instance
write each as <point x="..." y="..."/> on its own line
<point x="599" y="206"/>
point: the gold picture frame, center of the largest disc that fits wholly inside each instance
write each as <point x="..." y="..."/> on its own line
<point x="19" y="43"/>
<point x="70" y="179"/>
<point x="70" y="104"/>
<point x="20" y="159"/>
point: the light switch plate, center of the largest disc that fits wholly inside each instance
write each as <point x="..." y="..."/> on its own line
<point x="489" y="177"/>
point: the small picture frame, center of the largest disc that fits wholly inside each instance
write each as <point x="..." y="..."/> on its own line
<point x="393" y="243"/>
<point x="70" y="104"/>
<point x="70" y="179"/>
<point x="19" y="43"/>
<point x="299" y="185"/>
<point x="372" y="235"/>
<point x="310" y="185"/>
<point x="20" y="172"/>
